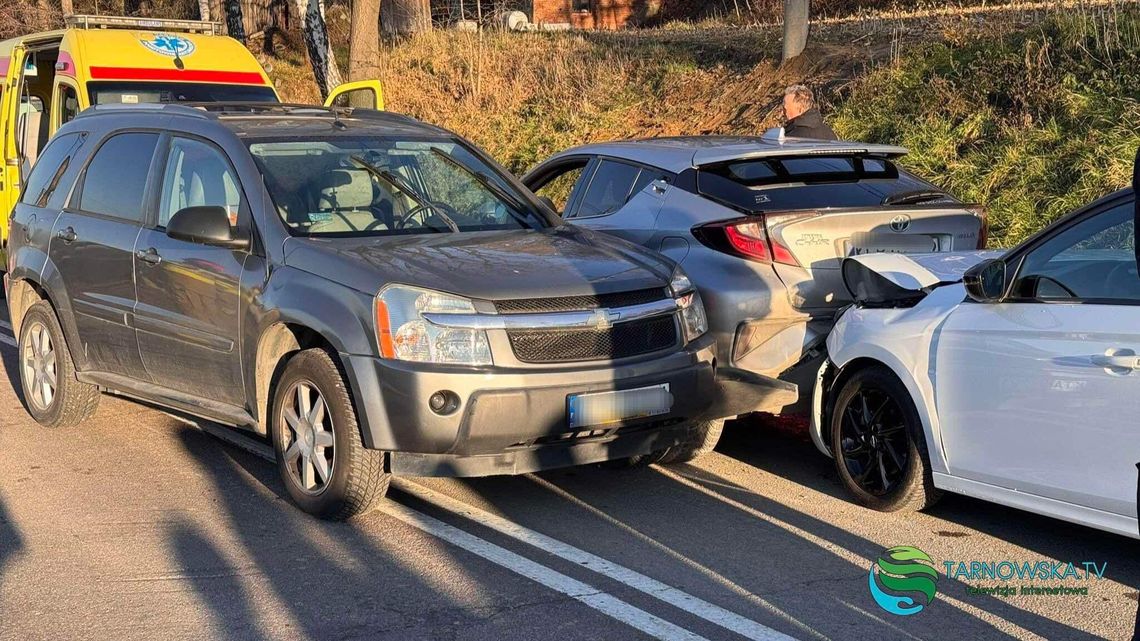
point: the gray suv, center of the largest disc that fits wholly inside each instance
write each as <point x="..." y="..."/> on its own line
<point x="372" y="294"/>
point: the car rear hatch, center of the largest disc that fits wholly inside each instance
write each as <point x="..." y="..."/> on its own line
<point x="814" y="210"/>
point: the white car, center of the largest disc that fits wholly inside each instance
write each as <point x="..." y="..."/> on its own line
<point x="1008" y="377"/>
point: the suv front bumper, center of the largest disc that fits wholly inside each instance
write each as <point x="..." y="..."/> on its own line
<point x="512" y="421"/>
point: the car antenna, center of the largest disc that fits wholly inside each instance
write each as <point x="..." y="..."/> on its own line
<point x="336" y="119"/>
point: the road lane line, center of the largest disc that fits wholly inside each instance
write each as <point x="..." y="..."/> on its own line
<point x="7" y="340"/>
<point x="709" y="612"/>
<point x="590" y="596"/>
<point x="695" y="483"/>
<point x="6" y="325"/>
<point x="605" y="603"/>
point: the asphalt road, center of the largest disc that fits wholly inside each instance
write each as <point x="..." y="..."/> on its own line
<point x="141" y="525"/>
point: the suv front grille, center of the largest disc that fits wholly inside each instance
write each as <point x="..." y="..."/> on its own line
<point x="579" y="303"/>
<point x="620" y="341"/>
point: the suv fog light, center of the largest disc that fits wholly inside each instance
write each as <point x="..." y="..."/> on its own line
<point x="443" y="402"/>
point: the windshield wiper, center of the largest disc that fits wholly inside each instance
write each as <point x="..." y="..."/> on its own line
<point x="485" y="180"/>
<point x="914" y="197"/>
<point x="398" y="183"/>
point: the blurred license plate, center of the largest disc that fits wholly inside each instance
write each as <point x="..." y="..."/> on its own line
<point x="895" y="244"/>
<point x="599" y="408"/>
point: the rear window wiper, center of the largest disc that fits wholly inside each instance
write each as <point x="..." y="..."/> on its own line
<point x="914" y="197"/>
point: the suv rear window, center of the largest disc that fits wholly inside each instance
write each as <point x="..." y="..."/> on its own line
<point x="51" y="166"/>
<point x="809" y="183"/>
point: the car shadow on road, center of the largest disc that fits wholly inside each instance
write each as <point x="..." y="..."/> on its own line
<point x="793" y="570"/>
<point x="332" y="580"/>
<point x="10" y="543"/>
<point x="789" y="453"/>
<point x="341" y="580"/>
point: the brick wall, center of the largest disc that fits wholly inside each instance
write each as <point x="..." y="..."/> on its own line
<point x="588" y="14"/>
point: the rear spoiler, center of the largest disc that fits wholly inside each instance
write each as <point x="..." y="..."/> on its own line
<point x="901" y="280"/>
<point x="794" y="149"/>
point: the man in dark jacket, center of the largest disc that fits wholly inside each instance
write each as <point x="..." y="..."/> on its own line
<point x="804" y="119"/>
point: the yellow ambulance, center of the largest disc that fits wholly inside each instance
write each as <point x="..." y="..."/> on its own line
<point x="50" y="77"/>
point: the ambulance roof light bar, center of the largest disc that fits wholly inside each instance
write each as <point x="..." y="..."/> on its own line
<point x="149" y="24"/>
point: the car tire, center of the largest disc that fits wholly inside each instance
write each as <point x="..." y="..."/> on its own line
<point x="52" y="393"/>
<point x="334" y="485"/>
<point x="700" y="438"/>
<point x="878" y="443"/>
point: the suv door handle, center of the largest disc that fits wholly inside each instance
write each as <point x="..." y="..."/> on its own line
<point x="1117" y="360"/>
<point x="67" y="235"/>
<point x="149" y="256"/>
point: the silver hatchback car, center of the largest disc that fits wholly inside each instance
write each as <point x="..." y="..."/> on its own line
<point x="760" y="225"/>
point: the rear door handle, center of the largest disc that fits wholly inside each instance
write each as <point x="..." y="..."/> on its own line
<point x="66" y="235"/>
<point x="149" y="256"/>
<point x="1117" y="360"/>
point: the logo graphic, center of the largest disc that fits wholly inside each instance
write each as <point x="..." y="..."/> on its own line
<point x="901" y="582"/>
<point x="900" y="223"/>
<point x="169" y="45"/>
<point x="603" y="319"/>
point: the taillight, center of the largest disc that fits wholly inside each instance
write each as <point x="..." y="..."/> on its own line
<point x="984" y="228"/>
<point x="745" y="237"/>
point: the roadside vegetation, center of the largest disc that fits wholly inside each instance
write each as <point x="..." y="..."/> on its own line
<point x="1030" y="107"/>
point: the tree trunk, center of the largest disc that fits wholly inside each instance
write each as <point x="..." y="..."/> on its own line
<point x="67" y="6"/>
<point x="131" y="7"/>
<point x="796" y="15"/>
<point x="235" y="26"/>
<point x="405" y="17"/>
<point x="364" y="41"/>
<point x="325" y="71"/>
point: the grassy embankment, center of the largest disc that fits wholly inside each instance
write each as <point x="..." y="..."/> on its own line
<point x="1031" y="114"/>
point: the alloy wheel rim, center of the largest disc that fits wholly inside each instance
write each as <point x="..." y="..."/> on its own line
<point x="874" y="441"/>
<point x="307" y="437"/>
<point x="41" y="376"/>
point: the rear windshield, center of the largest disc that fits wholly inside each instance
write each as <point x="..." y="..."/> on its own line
<point x="384" y="186"/>
<point x="813" y="183"/>
<point x="117" y="93"/>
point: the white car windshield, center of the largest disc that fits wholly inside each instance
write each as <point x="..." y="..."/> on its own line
<point x="382" y="186"/>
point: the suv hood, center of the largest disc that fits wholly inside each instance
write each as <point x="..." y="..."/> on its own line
<point x="559" y="261"/>
<point x="901" y="280"/>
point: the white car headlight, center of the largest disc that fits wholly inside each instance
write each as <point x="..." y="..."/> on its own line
<point x="404" y="334"/>
<point x="694" y="323"/>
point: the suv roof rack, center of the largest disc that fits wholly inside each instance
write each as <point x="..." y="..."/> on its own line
<point x="222" y="109"/>
<point x="150" y="24"/>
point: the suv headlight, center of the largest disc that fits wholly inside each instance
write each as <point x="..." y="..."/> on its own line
<point x="404" y="334"/>
<point x="694" y="323"/>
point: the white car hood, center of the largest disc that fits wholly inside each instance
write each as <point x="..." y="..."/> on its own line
<point x="883" y="278"/>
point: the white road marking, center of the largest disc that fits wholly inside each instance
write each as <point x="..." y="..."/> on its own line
<point x="7" y="340"/>
<point x="606" y="604"/>
<point x="713" y="613"/>
<point x="587" y="594"/>
<point x="695" y="483"/>
<point x="6" y="325"/>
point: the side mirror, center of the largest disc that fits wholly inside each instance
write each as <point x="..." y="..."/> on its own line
<point x="549" y="203"/>
<point x="207" y="225"/>
<point x="986" y="281"/>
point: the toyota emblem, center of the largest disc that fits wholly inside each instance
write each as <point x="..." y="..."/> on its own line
<point x="900" y="223"/>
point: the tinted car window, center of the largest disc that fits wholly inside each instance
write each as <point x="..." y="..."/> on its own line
<point x="806" y="183"/>
<point x="1091" y="260"/>
<point x="115" y="181"/>
<point x="559" y="188"/>
<point x="609" y="188"/>
<point x="130" y="93"/>
<point x="197" y="174"/>
<point x="50" y="168"/>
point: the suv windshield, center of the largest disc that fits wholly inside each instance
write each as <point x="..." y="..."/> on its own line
<point x="382" y="186"/>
